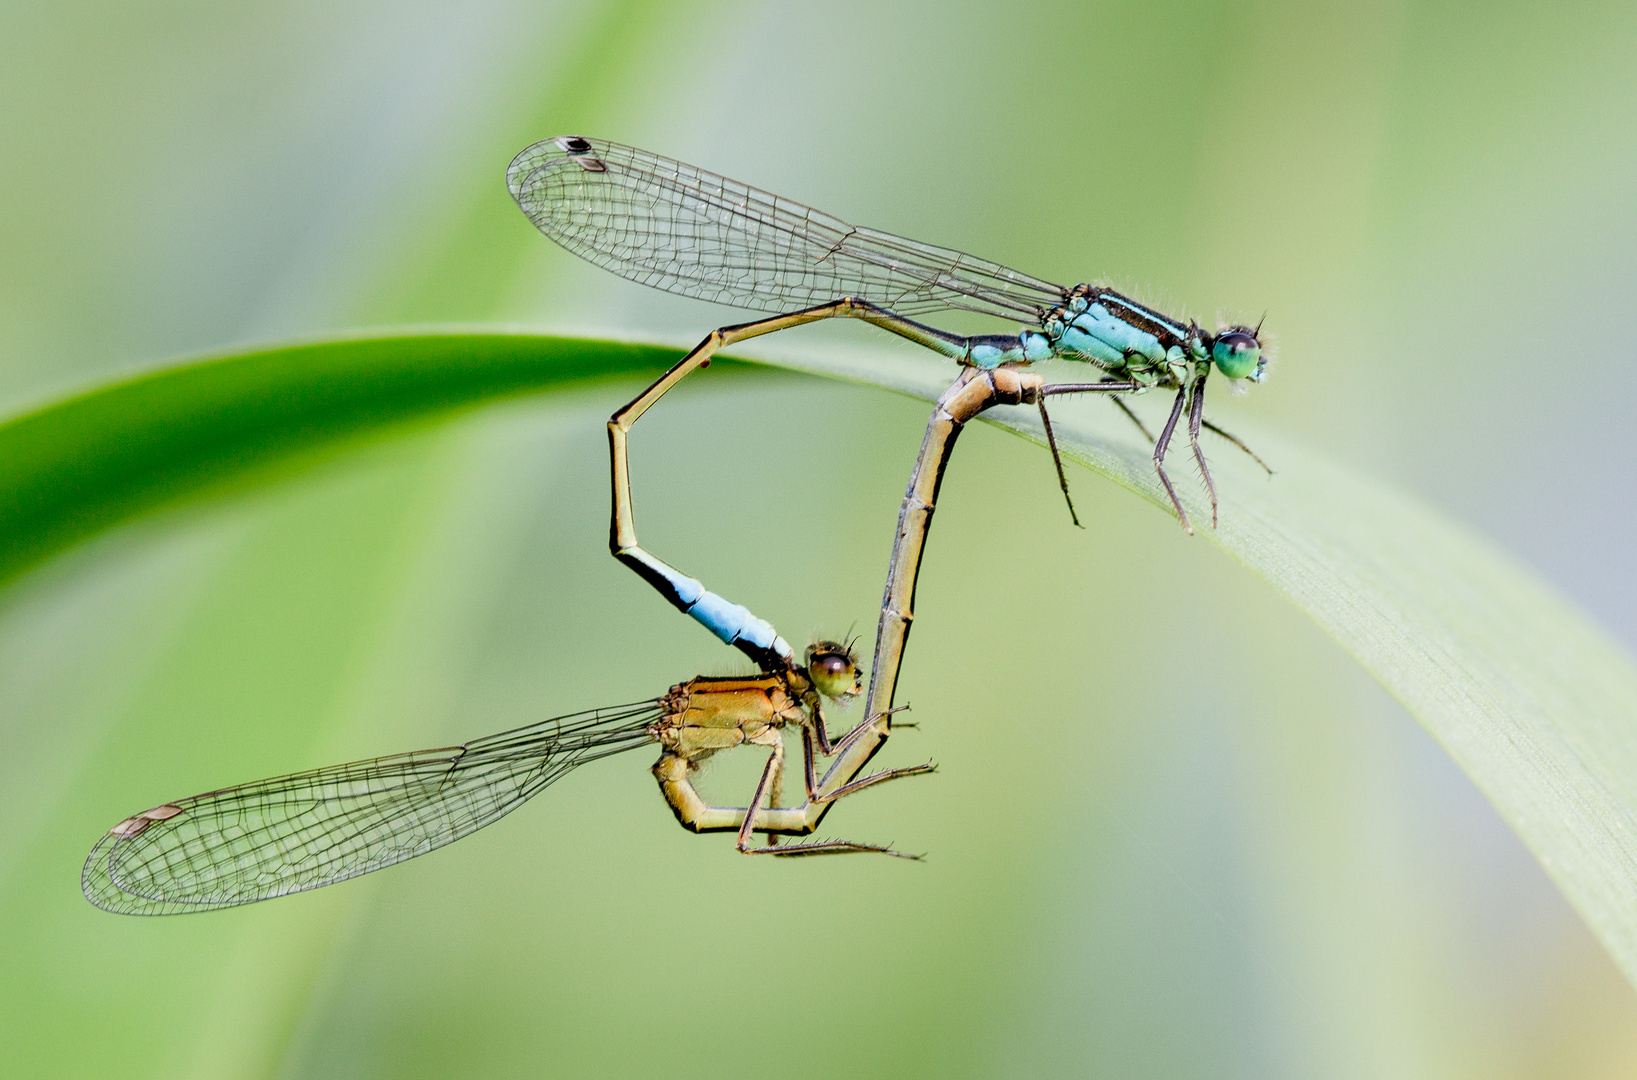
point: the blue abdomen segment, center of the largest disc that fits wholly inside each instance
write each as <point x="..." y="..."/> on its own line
<point x="1036" y="346"/>
<point x="733" y="623"/>
<point x="989" y="351"/>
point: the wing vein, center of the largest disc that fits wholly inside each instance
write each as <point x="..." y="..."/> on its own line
<point x="297" y="832"/>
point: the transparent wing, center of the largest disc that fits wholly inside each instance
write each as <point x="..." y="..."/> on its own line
<point x="684" y="230"/>
<point x="297" y="832"/>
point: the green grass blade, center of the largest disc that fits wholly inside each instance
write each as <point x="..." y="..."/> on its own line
<point x="81" y="464"/>
<point x="1533" y="701"/>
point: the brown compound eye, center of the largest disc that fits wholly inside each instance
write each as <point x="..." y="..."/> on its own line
<point x="834" y="666"/>
<point x="833" y="669"/>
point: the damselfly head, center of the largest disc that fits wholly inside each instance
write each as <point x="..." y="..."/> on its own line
<point x="1237" y="353"/>
<point x="834" y="670"/>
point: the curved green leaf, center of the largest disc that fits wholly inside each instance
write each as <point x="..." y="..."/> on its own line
<point x="1535" y="703"/>
<point x="83" y="463"/>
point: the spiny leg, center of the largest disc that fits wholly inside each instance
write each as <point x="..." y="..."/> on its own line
<point x="1051" y="441"/>
<point x="1123" y="407"/>
<point x="1196" y="413"/>
<point x="1160" y="446"/>
<point x="1119" y="403"/>
<point x="775" y="785"/>
<point x="1115" y="388"/>
<point x="1110" y="386"/>
<point x="851" y="753"/>
<point x="1208" y="426"/>
<point x="819" y="798"/>
<point x="831" y="749"/>
<point x="775" y="762"/>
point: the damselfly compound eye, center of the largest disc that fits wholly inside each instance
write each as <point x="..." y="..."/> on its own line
<point x="1237" y="353"/>
<point x="834" y="670"/>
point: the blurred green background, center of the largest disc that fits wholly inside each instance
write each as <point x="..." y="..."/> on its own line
<point x="1175" y="832"/>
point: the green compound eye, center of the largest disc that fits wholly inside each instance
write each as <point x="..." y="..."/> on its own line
<point x="1236" y="353"/>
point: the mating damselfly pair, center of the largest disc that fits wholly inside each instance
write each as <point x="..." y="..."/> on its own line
<point x="682" y="229"/>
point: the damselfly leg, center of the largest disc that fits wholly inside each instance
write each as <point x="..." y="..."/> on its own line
<point x="1236" y="441"/>
<point x="767" y="790"/>
<point x="1134" y="418"/>
<point x="1196" y="413"/>
<point x="1161" y="445"/>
